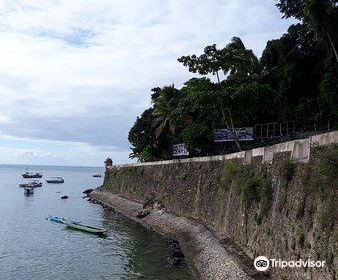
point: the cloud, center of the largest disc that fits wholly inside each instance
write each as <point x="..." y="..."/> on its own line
<point x="81" y="70"/>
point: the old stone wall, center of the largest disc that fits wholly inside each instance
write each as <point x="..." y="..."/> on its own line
<point x="280" y="208"/>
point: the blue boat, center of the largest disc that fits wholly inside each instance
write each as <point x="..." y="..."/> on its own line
<point x="59" y="220"/>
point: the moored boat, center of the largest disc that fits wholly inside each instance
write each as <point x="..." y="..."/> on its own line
<point x="31" y="175"/>
<point x="31" y="184"/>
<point x="55" y="180"/>
<point x="97" y="175"/>
<point x="82" y="227"/>
<point x="59" y="220"/>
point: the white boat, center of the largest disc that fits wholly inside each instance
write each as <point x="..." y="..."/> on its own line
<point x="31" y="184"/>
<point x="31" y="174"/>
<point x="55" y="180"/>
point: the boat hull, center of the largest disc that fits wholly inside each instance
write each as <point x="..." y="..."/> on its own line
<point x="59" y="220"/>
<point x="30" y="185"/>
<point x="31" y="176"/>
<point x="83" y="227"/>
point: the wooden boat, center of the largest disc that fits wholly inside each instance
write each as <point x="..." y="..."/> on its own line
<point x="31" y="174"/>
<point x="97" y="175"/>
<point x="82" y="227"/>
<point x="59" y="220"/>
<point x="31" y="184"/>
<point x="55" y="180"/>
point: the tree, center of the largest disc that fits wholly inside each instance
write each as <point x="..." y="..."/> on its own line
<point x="145" y="145"/>
<point x="292" y="8"/>
<point x="235" y="61"/>
<point x="165" y="110"/>
<point x="142" y="137"/>
<point x="323" y="17"/>
<point x="297" y="66"/>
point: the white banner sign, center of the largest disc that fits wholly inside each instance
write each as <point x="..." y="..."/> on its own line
<point x="180" y="150"/>
<point x="225" y="135"/>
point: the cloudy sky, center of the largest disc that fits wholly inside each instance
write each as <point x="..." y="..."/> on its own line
<point x="74" y="74"/>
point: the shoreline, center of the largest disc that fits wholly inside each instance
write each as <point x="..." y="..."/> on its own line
<point x="205" y="254"/>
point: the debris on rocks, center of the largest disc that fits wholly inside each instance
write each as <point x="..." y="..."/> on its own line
<point x="161" y="211"/>
<point x="149" y="201"/>
<point x="143" y="213"/>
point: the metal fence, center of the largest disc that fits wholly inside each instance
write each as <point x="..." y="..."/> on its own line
<point x="274" y="130"/>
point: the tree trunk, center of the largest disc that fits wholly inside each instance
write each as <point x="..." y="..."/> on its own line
<point x="218" y="77"/>
<point x="332" y="45"/>
<point x="231" y="127"/>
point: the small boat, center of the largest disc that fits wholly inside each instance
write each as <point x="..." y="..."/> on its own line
<point x="55" y="180"/>
<point x="31" y="184"/>
<point x="59" y="220"/>
<point x="97" y="175"/>
<point x="31" y="175"/>
<point x="29" y="191"/>
<point x="82" y="227"/>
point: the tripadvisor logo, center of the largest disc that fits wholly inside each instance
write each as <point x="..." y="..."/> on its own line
<point x="262" y="263"/>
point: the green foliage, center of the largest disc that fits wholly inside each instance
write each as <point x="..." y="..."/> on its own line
<point x="267" y="230"/>
<point x="288" y="169"/>
<point x="251" y="191"/>
<point x="258" y="219"/>
<point x="257" y="188"/>
<point x="295" y="79"/>
<point x="195" y="137"/>
<point x="228" y="173"/>
<point x="328" y="214"/>
<point x="165" y="110"/>
<point x="324" y="177"/>
<point x="146" y="147"/>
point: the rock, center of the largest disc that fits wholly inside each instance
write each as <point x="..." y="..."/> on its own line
<point x="178" y="254"/>
<point x="143" y="213"/>
<point x="174" y="261"/>
<point x="88" y="191"/>
<point x="64" y="197"/>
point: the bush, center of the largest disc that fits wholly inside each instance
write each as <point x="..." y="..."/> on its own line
<point x="251" y="191"/>
<point x="324" y="176"/>
<point x="288" y="169"/>
<point x="228" y="173"/>
<point x="258" y="219"/>
<point x="257" y="189"/>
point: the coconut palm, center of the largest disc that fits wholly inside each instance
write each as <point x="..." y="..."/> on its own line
<point x="166" y="110"/>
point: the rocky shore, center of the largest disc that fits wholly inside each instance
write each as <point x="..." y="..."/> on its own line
<point x="205" y="254"/>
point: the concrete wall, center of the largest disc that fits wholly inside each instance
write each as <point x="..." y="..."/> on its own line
<point x="300" y="152"/>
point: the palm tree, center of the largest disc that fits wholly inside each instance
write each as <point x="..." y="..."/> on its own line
<point x="166" y="110"/>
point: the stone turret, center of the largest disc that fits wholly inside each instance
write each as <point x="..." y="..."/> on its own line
<point x="108" y="162"/>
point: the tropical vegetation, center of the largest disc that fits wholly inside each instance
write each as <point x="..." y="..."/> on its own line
<point x="296" y="78"/>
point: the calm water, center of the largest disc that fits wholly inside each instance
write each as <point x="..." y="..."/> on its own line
<point x="32" y="247"/>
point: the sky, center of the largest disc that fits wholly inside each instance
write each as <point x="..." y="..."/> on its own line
<point x="75" y="74"/>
